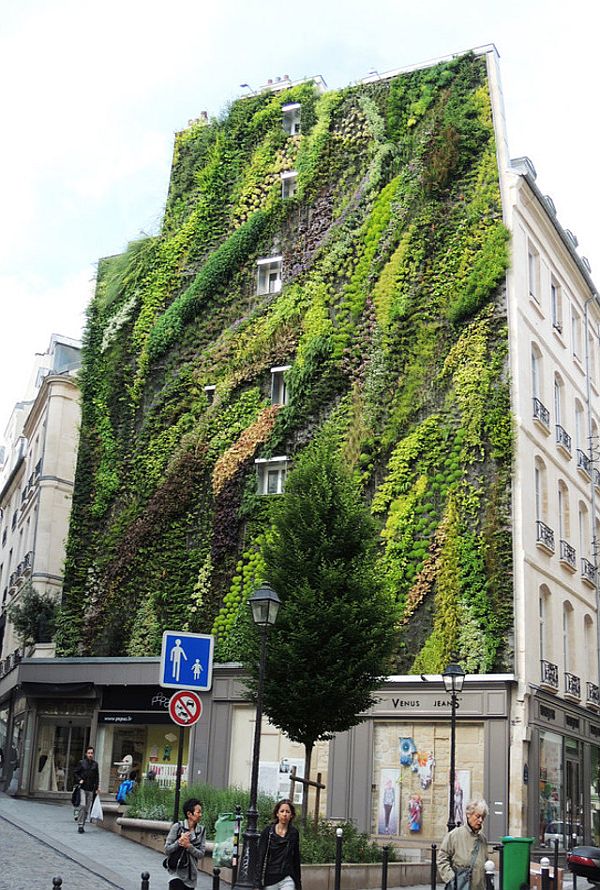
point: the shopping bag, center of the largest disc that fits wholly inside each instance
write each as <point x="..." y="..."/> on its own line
<point x="224" y="840"/>
<point x="96" y="814"/>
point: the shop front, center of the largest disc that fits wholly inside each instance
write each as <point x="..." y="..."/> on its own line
<point x="564" y="801"/>
<point x="390" y="774"/>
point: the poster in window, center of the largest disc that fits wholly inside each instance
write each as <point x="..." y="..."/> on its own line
<point x="389" y="801"/>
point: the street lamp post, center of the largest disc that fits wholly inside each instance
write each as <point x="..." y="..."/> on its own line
<point x="264" y="603"/>
<point x="453" y="678"/>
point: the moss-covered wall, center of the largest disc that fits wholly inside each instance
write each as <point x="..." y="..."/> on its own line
<point x="391" y="316"/>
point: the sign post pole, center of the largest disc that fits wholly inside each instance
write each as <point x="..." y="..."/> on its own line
<point x="178" y="777"/>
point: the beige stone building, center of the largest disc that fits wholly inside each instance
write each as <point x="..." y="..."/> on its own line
<point x="36" y="482"/>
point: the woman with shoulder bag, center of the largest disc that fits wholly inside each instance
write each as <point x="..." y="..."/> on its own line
<point x="279" y="851"/>
<point x="462" y="855"/>
<point x="185" y="846"/>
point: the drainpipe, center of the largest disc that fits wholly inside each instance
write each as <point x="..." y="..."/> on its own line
<point x="588" y="387"/>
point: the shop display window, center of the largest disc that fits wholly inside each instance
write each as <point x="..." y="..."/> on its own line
<point x="550" y="783"/>
<point x="595" y="795"/>
<point x="61" y="745"/>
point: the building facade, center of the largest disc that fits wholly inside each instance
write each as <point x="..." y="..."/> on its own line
<point x="479" y="454"/>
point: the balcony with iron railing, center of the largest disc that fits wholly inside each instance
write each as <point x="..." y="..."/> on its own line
<point x="541" y="414"/>
<point x="549" y="676"/>
<point x="544" y="536"/>
<point x="592" y="698"/>
<point x="588" y="572"/>
<point x="572" y="686"/>
<point x="568" y="556"/>
<point x="584" y="464"/>
<point x="563" y="440"/>
<point x="11" y="661"/>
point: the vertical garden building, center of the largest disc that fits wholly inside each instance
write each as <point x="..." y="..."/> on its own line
<point x="366" y="268"/>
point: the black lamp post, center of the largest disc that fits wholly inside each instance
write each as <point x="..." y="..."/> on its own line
<point x="453" y="678"/>
<point x="264" y="603"/>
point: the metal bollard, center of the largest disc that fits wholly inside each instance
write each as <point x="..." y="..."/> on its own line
<point x="57" y="882"/>
<point x="145" y="885"/>
<point x="338" y="858"/>
<point x="545" y="872"/>
<point x="216" y="878"/>
<point x="384" y="867"/>
<point x="500" y="849"/>
<point x="433" y="866"/>
<point x="490" y="875"/>
<point x="555" y="872"/>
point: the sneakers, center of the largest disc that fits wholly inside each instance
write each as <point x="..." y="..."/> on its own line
<point x="80" y="829"/>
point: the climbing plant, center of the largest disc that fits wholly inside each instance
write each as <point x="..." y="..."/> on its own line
<point x="390" y="321"/>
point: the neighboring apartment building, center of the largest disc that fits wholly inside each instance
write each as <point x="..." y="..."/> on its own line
<point x="554" y="322"/>
<point x="36" y="483"/>
<point x="528" y="735"/>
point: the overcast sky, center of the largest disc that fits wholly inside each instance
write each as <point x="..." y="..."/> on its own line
<point x="93" y="93"/>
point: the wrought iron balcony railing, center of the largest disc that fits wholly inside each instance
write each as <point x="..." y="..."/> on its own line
<point x="544" y="536"/>
<point x="588" y="571"/>
<point x="593" y="695"/>
<point x="549" y="677"/>
<point x="541" y="413"/>
<point x="583" y="462"/>
<point x="563" y="439"/>
<point x="568" y="556"/>
<point x="572" y="685"/>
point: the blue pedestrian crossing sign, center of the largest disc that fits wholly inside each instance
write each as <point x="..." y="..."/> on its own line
<point x="186" y="660"/>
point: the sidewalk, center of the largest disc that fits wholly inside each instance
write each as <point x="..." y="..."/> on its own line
<point x="103" y="854"/>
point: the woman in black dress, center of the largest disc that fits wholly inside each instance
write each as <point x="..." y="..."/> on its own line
<point x="279" y="851"/>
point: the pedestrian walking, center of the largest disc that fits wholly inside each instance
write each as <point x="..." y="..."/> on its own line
<point x="185" y="846"/>
<point x="463" y="852"/>
<point x="86" y="773"/>
<point x="279" y="851"/>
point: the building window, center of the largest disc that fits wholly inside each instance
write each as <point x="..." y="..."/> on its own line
<point x="291" y="118"/>
<point x="209" y="392"/>
<point x="544" y="620"/>
<point x="536" y="368"/>
<point x="567" y="636"/>
<point x="558" y="386"/>
<point x="576" y="333"/>
<point x="556" y="305"/>
<point x="541" y="497"/>
<point x="289" y="184"/>
<point x="533" y="272"/>
<point x="279" y="392"/>
<point x="269" y="275"/>
<point x="563" y="511"/>
<point x="270" y="474"/>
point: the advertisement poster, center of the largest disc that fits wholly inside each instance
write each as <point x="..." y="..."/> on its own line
<point x="389" y="801"/>
<point x="462" y="794"/>
<point x="274" y="777"/>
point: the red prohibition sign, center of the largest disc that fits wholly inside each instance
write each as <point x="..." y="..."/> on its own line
<point x="185" y="707"/>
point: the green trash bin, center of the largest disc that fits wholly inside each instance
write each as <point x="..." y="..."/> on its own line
<point x="517" y="851"/>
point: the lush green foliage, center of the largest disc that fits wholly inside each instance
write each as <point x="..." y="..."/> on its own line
<point x="33" y="617"/>
<point x="320" y="558"/>
<point x="391" y="317"/>
<point x="317" y="842"/>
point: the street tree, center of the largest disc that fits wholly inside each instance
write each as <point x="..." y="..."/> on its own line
<point x="331" y="644"/>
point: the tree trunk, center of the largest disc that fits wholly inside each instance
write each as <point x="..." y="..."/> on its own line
<point x="305" y="788"/>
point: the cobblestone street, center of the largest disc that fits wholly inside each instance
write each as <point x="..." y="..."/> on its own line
<point x="28" y="863"/>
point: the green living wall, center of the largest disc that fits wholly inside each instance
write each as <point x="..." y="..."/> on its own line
<point x="391" y="317"/>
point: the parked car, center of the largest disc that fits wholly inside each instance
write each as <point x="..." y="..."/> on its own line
<point x="585" y="863"/>
<point x="561" y="831"/>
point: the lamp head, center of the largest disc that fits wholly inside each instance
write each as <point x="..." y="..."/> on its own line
<point x="453" y="678"/>
<point x="264" y="603"/>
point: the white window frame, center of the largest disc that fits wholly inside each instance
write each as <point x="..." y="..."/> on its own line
<point x="556" y="304"/>
<point x="209" y="392"/>
<point x="289" y="184"/>
<point x="576" y="333"/>
<point x="291" y="118"/>
<point x="533" y="272"/>
<point x="268" y="278"/>
<point x="279" y="391"/>
<point x="271" y="474"/>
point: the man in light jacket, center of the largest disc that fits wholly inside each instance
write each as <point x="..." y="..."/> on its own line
<point x="189" y="838"/>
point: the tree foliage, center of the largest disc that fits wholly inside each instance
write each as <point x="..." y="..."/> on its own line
<point x="330" y="646"/>
<point x="33" y="617"/>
